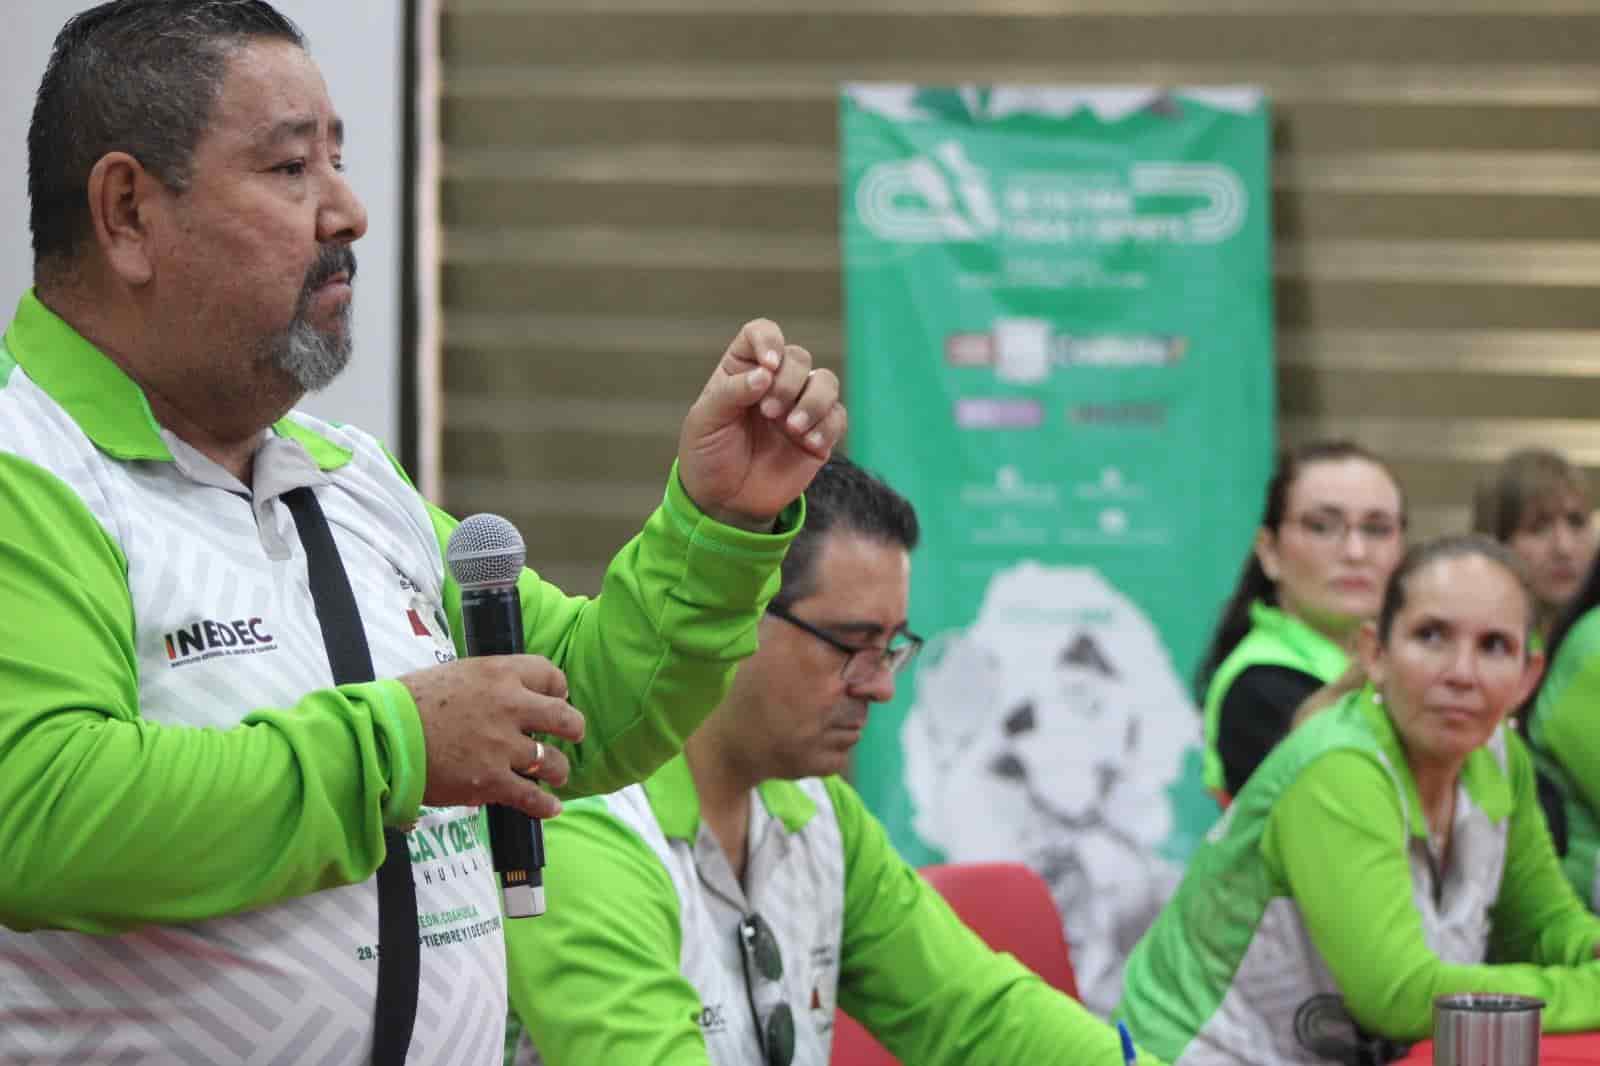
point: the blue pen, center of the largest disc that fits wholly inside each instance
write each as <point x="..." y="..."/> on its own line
<point x="1128" y="1054"/>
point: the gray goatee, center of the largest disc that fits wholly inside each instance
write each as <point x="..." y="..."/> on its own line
<point x="314" y="357"/>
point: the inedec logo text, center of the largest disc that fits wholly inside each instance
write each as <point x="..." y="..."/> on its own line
<point x="210" y="638"/>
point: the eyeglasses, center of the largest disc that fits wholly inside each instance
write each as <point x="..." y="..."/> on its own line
<point x="863" y="663"/>
<point x="763" y="970"/>
<point x="1331" y="527"/>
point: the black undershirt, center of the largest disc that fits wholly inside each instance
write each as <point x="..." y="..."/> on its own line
<point x="1257" y="711"/>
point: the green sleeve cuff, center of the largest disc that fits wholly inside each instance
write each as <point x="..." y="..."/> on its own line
<point x="699" y="527"/>
<point x="398" y="728"/>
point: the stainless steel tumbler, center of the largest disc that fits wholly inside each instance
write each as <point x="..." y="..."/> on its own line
<point x="1480" y="1029"/>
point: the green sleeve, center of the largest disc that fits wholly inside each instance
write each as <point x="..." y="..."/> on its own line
<point x="109" y="821"/>
<point x="654" y="653"/>
<point x="927" y="987"/>
<point x="595" y="979"/>
<point x="1568" y="711"/>
<point x="1338" y="839"/>
<point x="1537" y="917"/>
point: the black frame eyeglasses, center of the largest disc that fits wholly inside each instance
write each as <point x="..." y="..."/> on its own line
<point x="1333" y="527"/>
<point x="763" y="969"/>
<point x="861" y="664"/>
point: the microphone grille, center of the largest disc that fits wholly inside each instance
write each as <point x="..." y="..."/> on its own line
<point x="485" y="551"/>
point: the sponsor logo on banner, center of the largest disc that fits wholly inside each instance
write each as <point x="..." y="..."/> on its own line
<point x="988" y="412"/>
<point x="1120" y="350"/>
<point x="1020" y="354"/>
<point x="1010" y="489"/>
<point x="1111" y="485"/>
<point x="1151" y="415"/>
<point x="943" y="196"/>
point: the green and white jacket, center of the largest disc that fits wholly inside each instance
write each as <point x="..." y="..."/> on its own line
<point x="1566" y="742"/>
<point x="191" y="814"/>
<point x="641" y="937"/>
<point x="1321" y="878"/>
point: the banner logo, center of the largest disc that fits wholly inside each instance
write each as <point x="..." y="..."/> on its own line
<point x="944" y="196"/>
<point x="1026" y="350"/>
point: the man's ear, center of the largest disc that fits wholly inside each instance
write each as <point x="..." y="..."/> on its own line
<point x="120" y="198"/>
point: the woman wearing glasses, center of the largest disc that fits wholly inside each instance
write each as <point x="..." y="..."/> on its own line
<point x="1382" y="853"/>
<point x="1332" y="532"/>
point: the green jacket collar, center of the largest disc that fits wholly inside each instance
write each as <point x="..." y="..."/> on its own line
<point x="105" y="403"/>
<point x="676" y="804"/>
<point x="1316" y="649"/>
<point x="1488" y="783"/>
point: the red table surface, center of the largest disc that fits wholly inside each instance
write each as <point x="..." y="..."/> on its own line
<point x="1558" y="1049"/>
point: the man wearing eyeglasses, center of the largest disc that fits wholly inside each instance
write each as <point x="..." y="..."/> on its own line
<point x="716" y="913"/>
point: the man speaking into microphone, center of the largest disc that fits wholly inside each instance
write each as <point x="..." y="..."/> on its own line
<point x="269" y="852"/>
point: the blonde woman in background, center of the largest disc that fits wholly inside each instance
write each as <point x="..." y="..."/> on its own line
<point x="1537" y="504"/>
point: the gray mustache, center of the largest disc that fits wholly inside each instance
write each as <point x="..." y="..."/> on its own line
<point x="334" y="259"/>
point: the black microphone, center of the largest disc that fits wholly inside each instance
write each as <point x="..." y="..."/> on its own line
<point x="485" y="555"/>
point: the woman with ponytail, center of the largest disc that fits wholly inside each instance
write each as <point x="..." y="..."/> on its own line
<point x="1331" y="534"/>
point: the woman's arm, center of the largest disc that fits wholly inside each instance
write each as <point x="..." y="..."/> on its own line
<point x="1339" y="840"/>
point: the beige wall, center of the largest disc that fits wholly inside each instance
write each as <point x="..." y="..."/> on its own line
<point x="626" y="181"/>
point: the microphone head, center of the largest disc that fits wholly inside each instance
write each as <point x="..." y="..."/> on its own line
<point x="485" y="551"/>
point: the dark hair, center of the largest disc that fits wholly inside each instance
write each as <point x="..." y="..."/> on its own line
<point x="1453" y="546"/>
<point x="135" y="76"/>
<point x="1253" y="583"/>
<point x="1523" y="479"/>
<point x="845" y="497"/>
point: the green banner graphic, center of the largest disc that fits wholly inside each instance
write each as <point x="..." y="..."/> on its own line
<point x="1059" y="327"/>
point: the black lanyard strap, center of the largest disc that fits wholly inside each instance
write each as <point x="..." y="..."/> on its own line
<point x="399" y="961"/>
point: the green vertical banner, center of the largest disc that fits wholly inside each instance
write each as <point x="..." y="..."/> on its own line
<point x="1059" y="328"/>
